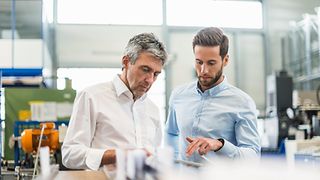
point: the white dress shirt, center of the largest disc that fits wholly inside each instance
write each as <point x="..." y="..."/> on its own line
<point x="106" y="117"/>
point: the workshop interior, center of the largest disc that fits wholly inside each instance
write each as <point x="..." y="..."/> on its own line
<point x="52" y="49"/>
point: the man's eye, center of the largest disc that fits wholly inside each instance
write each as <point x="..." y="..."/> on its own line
<point x="156" y="74"/>
<point x="199" y="62"/>
<point x="145" y="69"/>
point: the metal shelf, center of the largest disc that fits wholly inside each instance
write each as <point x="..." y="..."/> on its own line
<point x="301" y="51"/>
<point x="307" y="78"/>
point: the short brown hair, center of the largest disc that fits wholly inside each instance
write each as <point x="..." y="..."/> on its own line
<point x="212" y="36"/>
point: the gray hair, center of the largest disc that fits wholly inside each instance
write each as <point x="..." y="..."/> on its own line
<point x="145" y="42"/>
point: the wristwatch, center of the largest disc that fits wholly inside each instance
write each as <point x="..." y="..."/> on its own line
<point x="222" y="141"/>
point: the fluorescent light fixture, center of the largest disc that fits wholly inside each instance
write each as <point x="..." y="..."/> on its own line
<point x="228" y="14"/>
<point x="121" y="12"/>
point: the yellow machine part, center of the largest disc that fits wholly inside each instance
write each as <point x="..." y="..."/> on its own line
<point x="30" y="138"/>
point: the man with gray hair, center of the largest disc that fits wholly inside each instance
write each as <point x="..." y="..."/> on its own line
<point x="117" y="114"/>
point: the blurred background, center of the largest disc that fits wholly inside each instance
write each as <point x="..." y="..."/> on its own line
<point x="50" y="49"/>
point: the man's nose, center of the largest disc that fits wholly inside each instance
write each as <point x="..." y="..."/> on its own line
<point x="150" y="78"/>
<point x="204" y="68"/>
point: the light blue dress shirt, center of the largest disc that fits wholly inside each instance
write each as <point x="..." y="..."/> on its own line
<point x="223" y="111"/>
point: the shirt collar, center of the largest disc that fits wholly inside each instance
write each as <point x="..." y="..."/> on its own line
<point x="121" y="88"/>
<point x="215" y="89"/>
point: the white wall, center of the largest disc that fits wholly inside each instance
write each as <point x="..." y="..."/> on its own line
<point x="28" y="53"/>
<point x="183" y="63"/>
<point x="95" y="45"/>
<point x="251" y="67"/>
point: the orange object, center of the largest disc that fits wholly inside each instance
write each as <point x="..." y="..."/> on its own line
<point x="30" y="138"/>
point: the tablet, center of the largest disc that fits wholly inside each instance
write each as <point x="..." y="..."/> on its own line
<point x="188" y="163"/>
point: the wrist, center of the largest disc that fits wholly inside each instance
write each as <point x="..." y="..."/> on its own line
<point x="221" y="144"/>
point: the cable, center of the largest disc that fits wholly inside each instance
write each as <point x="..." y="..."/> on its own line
<point x="37" y="155"/>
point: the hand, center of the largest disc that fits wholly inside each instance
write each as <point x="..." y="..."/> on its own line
<point x="109" y="157"/>
<point x="203" y="145"/>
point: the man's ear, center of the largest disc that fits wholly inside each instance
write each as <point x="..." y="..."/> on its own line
<point x="226" y="60"/>
<point x="125" y="62"/>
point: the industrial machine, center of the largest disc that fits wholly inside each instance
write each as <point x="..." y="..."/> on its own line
<point x="283" y="120"/>
<point x="279" y="99"/>
<point x="28" y="137"/>
<point x="49" y="137"/>
<point x="28" y="134"/>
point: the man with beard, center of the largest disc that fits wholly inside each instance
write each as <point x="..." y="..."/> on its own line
<point x="209" y="116"/>
<point x="117" y="114"/>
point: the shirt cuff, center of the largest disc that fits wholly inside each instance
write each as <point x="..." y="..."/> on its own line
<point x="93" y="158"/>
<point x="228" y="149"/>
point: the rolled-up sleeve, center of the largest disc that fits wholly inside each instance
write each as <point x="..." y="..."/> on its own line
<point x="76" y="151"/>
<point x="247" y="136"/>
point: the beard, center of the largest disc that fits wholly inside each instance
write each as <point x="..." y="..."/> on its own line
<point x="211" y="81"/>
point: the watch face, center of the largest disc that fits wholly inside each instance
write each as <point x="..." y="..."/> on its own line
<point x="222" y="141"/>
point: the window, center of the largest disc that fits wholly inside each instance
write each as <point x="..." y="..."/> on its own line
<point x="138" y="12"/>
<point x="83" y="77"/>
<point x="228" y="14"/>
<point x="47" y="11"/>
